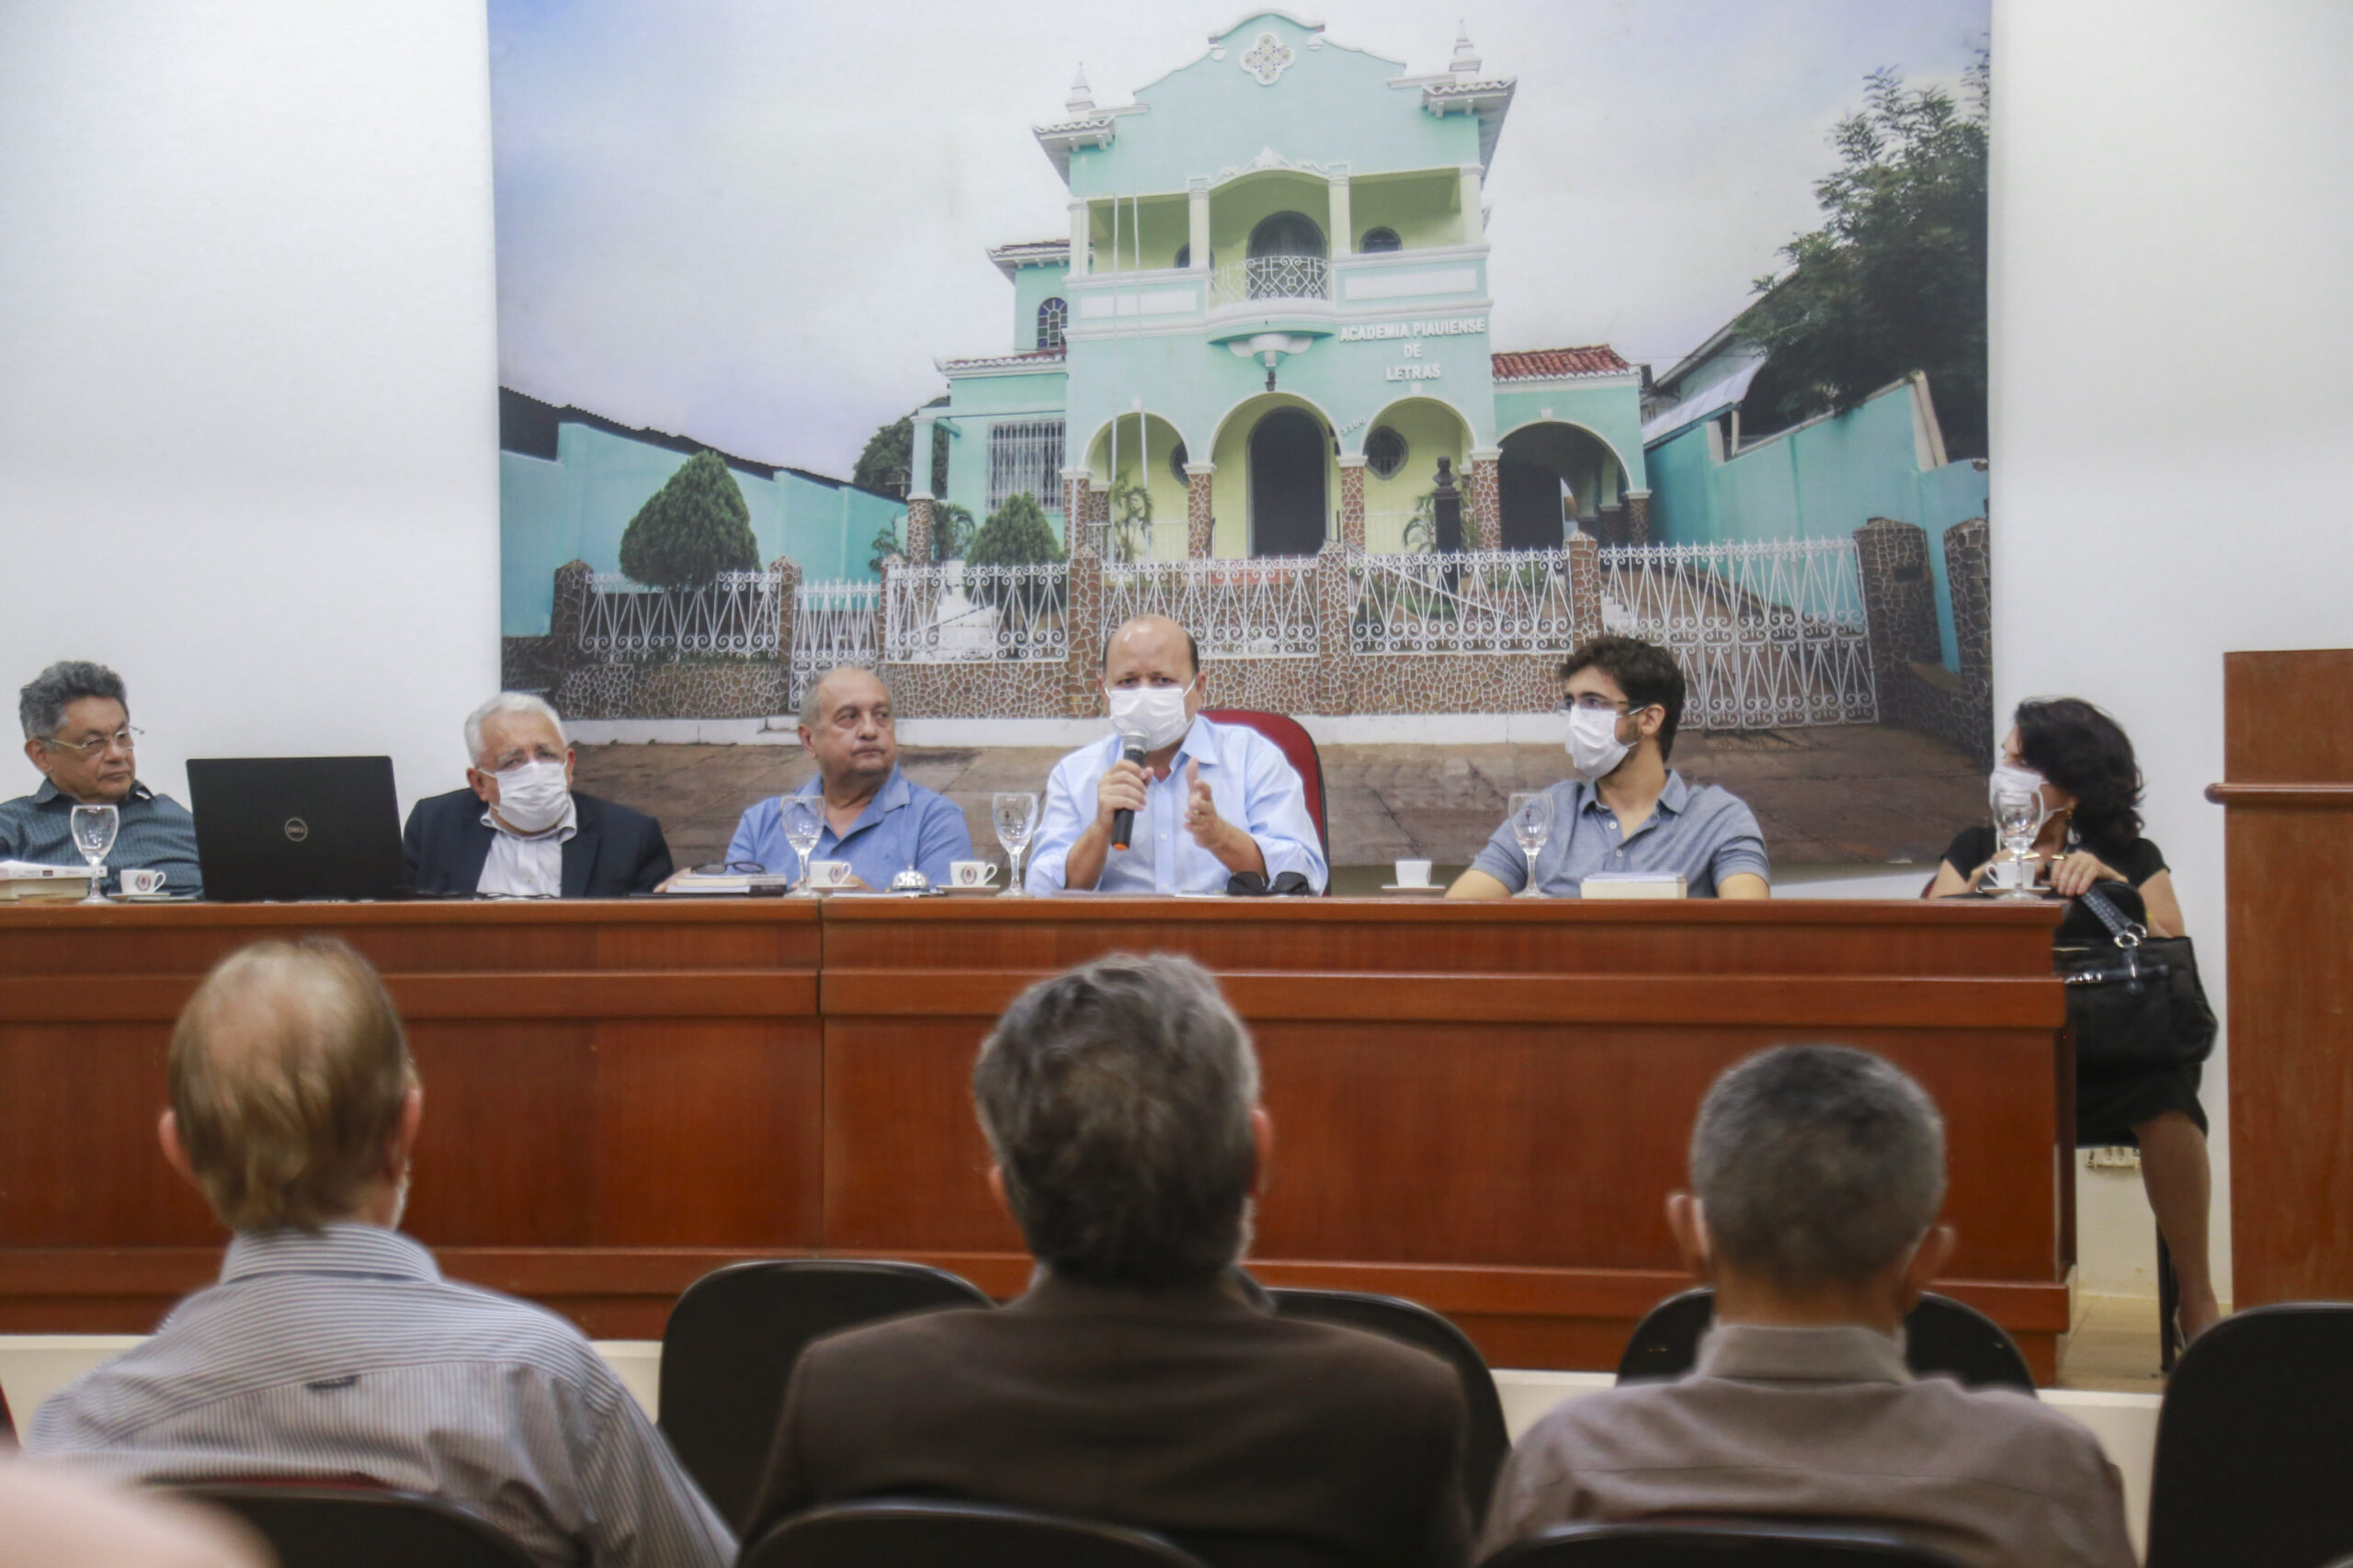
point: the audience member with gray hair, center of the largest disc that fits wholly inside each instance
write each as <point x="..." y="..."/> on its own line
<point x="76" y="717"/>
<point x="1817" y="1174"/>
<point x="870" y="814"/>
<point x="1142" y="1378"/>
<point x="332" y="1345"/>
<point x="518" y="829"/>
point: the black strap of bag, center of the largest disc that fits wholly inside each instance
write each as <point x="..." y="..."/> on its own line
<point x="2135" y="1002"/>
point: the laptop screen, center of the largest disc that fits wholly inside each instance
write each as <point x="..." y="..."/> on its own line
<point x="287" y="828"/>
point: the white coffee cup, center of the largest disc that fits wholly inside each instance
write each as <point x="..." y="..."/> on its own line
<point x="141" y="881"/>
<point x="831" y="874"/>
<point x="972" y="874"/>
<point x="1413" y="874"/>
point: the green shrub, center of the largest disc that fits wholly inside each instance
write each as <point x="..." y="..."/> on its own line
<point x="1017" y="534"/>
<point x="694" y="528"/>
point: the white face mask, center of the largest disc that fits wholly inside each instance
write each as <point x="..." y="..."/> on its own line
<point x="1594" y="750"/>
<point x="2009" y="780"/>
<point x="533" y="795"/>
<point x="1154" y="713"/>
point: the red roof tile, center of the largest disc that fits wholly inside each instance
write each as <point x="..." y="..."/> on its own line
<point x="1534" y="364"/>
<point x="1026" y="357"/>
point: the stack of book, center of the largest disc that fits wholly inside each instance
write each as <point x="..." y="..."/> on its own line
<point x="21" y="882"/>
<point x="1632" y="884"/>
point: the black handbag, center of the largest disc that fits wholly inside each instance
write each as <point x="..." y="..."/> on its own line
<point x="2134" y="1001"/>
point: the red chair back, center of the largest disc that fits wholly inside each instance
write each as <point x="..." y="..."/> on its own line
<point x="1298" y="747"/>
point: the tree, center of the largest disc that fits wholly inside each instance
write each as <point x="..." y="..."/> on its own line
<point x="1895" y="281"/>
<point x="1017" y="534"/>
<point x="883" y="464"/>
<point x="951" y="530"/>
<point x="884" y="544"/>
<point x="694" y="528"/>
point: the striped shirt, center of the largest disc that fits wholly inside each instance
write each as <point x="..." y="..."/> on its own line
<point x="152" y="832"/>
<point x="345" y="1352"/>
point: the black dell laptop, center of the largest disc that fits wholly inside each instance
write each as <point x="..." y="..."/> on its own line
<point x="286" y="828"/>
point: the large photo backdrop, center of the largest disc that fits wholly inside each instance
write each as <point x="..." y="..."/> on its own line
<point x="1392" y="357"/>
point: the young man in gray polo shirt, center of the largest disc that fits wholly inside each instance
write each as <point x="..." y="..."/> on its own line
<point x="1623" y="809"/>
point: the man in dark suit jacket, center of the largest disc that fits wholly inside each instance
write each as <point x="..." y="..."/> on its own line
<point x="1142" y="1380"/>
<point x="518" y="829"/>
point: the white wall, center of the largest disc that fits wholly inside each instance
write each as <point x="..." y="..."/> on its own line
<point x="249" y="415"/>
<point x="2173" y="233"/>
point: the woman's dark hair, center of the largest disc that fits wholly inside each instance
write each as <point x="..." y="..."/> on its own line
<point x="2087" y="754"/>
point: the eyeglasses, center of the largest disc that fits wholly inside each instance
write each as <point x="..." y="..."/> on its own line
<point x="1591" y="701"/>
<point x="126" y="737"/>
<point x="732" y="869"/>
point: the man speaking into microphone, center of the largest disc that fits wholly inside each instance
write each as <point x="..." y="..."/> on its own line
<point x="1170" y="802"/>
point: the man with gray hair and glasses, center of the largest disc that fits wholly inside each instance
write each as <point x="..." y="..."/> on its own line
<point x="518" y="829"/>
<point x="332" y="1346"/>
<point x="78" y="733"/>
<point x="1817" y="1174"/>
<point x="1142" y="1380"/>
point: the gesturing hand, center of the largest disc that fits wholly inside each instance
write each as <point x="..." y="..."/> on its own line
<point x="1201" y="810"/>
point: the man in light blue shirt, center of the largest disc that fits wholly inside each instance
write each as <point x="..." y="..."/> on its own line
<point x="1210" y="799"/>
<point x="875" y="818"/>
<point x="1625" y="810"/>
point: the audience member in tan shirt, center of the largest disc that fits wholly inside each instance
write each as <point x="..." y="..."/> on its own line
<point x="1818" y="1173"/>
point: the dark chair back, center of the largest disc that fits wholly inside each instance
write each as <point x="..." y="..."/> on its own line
<point x="1729" y="1544"/>
<point x="1942" y="1337"/>
<point x="730" y="1342"/>
<point x="927" y="1533"/>
<point x="2253" y="1442"/>
<point x="1299" y="748"/>
<point x="1414" y="1324"/>
<point x="341" y="1527"/>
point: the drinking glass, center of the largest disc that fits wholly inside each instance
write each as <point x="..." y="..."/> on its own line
<point x="2017" y="814"/>
<point x="804" y="825"/>
<point x="1015" y="818"/>
<point x="93" y="828"/>
<point x="1530" y="816"/>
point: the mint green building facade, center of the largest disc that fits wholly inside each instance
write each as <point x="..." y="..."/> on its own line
<point x="1266" y="323"/>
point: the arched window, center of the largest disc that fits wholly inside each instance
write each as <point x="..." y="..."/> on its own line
<point x="1052" y="316"/>
<point x="1378" y="241"/>
<point x="1287" y="233"/>
<point x="1177" y="460"/>
<point x="1384" y="453"/>
<point x="1184" y="256"/>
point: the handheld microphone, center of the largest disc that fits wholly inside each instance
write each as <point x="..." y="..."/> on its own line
<point x="1123" y="821"/>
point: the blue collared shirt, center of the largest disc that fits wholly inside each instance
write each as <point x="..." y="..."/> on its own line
<point x="346" y="1351"/>
<point x="1706" y="835"/>
<point x="905" y="825"/>
<point x="155" y="832"/>
<point x="1255" y="788"/>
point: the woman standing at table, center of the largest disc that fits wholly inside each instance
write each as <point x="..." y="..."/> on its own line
<point x="2080" y="763"/>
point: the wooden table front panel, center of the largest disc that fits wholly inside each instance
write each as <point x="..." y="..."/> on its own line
<point x="1480" y="1107"/>
<point x="618" y="1096"/>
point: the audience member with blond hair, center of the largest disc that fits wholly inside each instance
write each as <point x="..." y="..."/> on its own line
<point x="1817" y="1174"/>
<point x="332" y="1345"/>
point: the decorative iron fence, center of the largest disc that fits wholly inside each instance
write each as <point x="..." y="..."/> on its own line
<point x="1770" y="636"/>
<point x="1495" y="601"/>
<point x="833" y="624"/>
<point x="736" y="612"/>
<point x="950" y="612"/>
<point x="1236" y="608"/>
<point x="1270" y="278"/>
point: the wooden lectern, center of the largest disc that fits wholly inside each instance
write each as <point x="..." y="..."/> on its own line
<point x="2288" y="749"/>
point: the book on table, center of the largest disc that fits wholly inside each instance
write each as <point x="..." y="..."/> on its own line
<point x="1632" y="884"/>
<point x="24" y="881"/>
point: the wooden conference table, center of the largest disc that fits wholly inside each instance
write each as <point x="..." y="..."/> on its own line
<point x="1478" y="1106"/>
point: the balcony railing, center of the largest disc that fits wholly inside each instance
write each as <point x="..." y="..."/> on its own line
<point x="1270" y="278"/>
